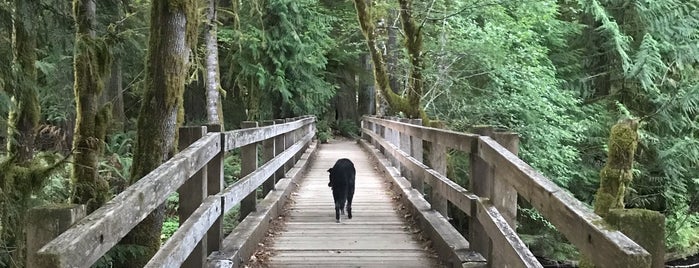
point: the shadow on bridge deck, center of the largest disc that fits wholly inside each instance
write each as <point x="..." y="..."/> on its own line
<point x="376" y="236"/>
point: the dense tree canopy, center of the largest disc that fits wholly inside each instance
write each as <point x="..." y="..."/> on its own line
<point x="560" y="73"/>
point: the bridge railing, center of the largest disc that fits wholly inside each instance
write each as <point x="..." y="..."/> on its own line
<point x="196" y="172"/>
<point x="497" y="176"/>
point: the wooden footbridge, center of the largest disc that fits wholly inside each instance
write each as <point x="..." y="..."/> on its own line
<point x="287" y="217"/>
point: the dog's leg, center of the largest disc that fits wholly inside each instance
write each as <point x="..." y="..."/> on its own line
<point x="337" y="212"/>
<point x="350" y="195"/>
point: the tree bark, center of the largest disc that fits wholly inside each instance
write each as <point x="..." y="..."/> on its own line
<point x="90" y="62"/>
<point x="392" y="54"/>
<point x="396" y="103"/>
<point x="172" y="37"/>
<point x="214" y="110"/>
<point x="23" y="120"/>
<point x="367" y="94"/>
<point x="413" y="43"/>
<point x="17" y="179"/>
<point x="114" y="94"/>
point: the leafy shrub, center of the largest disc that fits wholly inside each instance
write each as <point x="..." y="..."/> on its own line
<point x="348" y="128"/>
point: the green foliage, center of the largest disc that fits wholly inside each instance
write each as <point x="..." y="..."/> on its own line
<point x="277" y="56"/>
<point x="323" y="131"/>
<point x="347" y="128"/>
<point x="231" y="167"/>
<point x="119" y="254"/>
<point x="170" y="226"/>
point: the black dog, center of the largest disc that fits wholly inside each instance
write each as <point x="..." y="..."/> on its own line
<point x="342" y="183"/>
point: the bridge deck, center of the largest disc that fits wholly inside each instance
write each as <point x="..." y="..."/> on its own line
<point x="376" y="236"/>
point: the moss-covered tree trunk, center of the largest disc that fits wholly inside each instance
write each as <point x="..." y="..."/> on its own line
<point x="366" y="95"/>
<point x="617" y="174"/>
<point x="17" y="182"/>
<point x="413" y="43"/>
<point x="172" y="37"/>
<point x="214" y="110"/>
<point x="396" y="103"/>
<point x="90" y="66"/>
<point x="24" y="118"/>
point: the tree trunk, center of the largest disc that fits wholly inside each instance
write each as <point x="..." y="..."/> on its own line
<point x="16" y="175"/>
<point x="114" y="94"/>
<point x="392" y="54"/>
<point x="172" y="37"/>
<point x="395" y="102"/>
<point x="24" y="118"/>
<point x="214" y="110"/>
<point x="413" y="43"/>
<point x="346" y="96"/>
<point x="367" y="103"/>
<point x="90" y="62"/>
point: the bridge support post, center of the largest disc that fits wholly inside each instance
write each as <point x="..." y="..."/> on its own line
<point x="267" y="155"/>
<point x="46" y="223"/>
<point x="438" y="162"/>
<point x="487" y="182"/>
<point x="248" y="164"/>
<point x="288" y="141"/>
<point x="191" y="194"/>
<point x="214" y="171"/>
<point x="278" y="149"/>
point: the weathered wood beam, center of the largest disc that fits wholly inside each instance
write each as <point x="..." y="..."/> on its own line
<point x="236" y="192"/>
<point x="241" y="137"/>
<point x="184" y="241"/>
<point x="500" y="232"/>
<point x="452" y="139"/>
<point x="84" y="243"/>
<point x="575" y="220"/>
<point x="457" y="195"/>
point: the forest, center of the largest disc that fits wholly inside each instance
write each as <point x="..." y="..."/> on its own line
<point x="92" y="93"/>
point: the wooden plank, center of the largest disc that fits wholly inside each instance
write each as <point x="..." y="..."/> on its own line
<point x="452" y="139"/>
<point x="452" y="246"/>
<point x="241" y="243"/>
<point x="375" y="236"/>
<point x="84" y="243"/>
<point x="438" y="162"/>
<point x="457" y="195"/>
<point x="481" y="178"/>
<point x="185" y="240"/>
<point x="214" y="186"/>
<point x="235" y="193"/>
<point x="516" y="253"/>
<point x="191" y="194"/>
<point x="575" y="220"/>
<point x="268" y="154"/>
<point x="248" y="164"/>
<point x="241" y="137"/>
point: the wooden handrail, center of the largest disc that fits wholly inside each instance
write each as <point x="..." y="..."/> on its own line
<point x="85" y="242"/>
<point x="91" y="237"/>
<point x="575" y="220"/>
<point x="514" y="248"/>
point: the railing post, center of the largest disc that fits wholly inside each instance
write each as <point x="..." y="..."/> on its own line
<point x="214" y="171"/>
<point x="504" y="196"/>
<point x="288" y="141"/>
<point x="278" y="149"/>
<point x="267" y="155"/>
<point x="438" y="162"/>
<point x="192" y="193"/>
<point x="248" y="164"/>
<point x="486" y="181"/>
<point x="46" y="223"/>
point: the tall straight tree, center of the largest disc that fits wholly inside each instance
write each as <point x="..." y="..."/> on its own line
<point x="17" y="180"/>
<point x="214" y="109"/>
<point x="172" y="38"/>
<point x="90" y="66"/>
